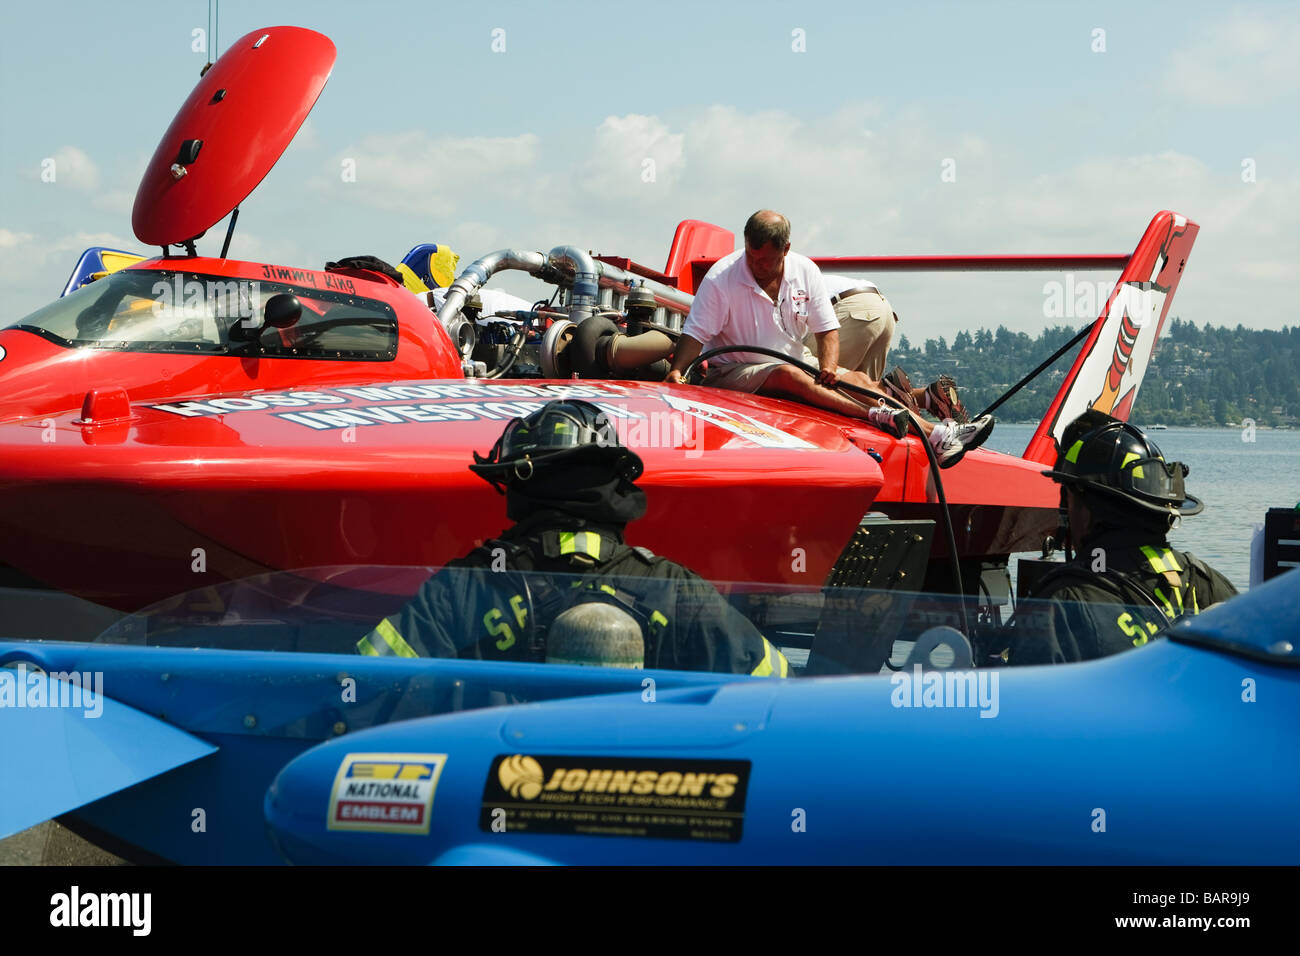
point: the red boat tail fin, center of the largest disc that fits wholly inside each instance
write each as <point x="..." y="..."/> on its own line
<point x="1110" y="367"/>
<point x="696" y="239"/>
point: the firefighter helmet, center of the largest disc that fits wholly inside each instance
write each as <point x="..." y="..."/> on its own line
<point x="1103" y="454"/>
<point x="563" y="431"/>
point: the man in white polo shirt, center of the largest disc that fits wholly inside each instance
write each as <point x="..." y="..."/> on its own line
<point x="766" y="296"/>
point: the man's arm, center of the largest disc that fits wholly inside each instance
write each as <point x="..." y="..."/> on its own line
<point x="1220" y="588"/>
<point x="828" y="356"/>
<point x="687" y="351"/>
<point x="419" y="629"/>
<point x="711" y="635"/>
<point x="707" y="317"/>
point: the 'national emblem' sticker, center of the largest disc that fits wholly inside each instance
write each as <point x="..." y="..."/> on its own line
<point x="385" y="793"/>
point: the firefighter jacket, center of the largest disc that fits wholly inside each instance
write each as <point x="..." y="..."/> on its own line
<point x="1121" y="590"/>
<point x="495" y="603"/>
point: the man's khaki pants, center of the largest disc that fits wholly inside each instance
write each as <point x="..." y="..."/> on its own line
<point x="866" y="332"/>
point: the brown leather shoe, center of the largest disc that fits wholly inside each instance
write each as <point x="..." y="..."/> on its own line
<point x="897" y="384"/>
<point x="941" y="400"/>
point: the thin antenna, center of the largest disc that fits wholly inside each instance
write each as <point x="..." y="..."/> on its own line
<point x="214" y="28"/>
<point x="211" y="39"/>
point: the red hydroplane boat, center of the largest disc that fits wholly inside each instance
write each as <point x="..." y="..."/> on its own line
<point x="189" y="420"/>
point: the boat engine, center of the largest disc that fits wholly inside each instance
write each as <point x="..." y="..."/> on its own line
<point x="599" y="347"/>
<point x="583" y="337"/>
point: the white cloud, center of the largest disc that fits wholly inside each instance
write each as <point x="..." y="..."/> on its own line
<point x="10" y="239"/>
<point x="631" y="156"/>
<point x="853" y="190"/>
<point x="858" y="182"/>
<point x="1241" y="59"/>
<point x="415" y="172"/>
<point x="306" y="137"/>
<point x="34" y="271"/>
<point x="119" y="201"/>
<point x="855" y="181"/>
<point x="69" y="166"/>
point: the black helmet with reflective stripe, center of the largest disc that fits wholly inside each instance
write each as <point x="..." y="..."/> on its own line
<point x="564" y="431"/>
<point x="1103" y="454"/>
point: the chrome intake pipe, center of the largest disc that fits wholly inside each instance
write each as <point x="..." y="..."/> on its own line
<point x="564" y="265"/>
<point x="666" y="297"/>
<point x="573" y="261"/>
<point x="584" y="300"/>
<point x="471" y="280"/>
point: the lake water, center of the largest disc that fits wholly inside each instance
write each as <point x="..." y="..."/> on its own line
<point x="1238" y="481"/>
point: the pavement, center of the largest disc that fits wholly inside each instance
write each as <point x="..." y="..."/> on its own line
<point x="51" y="844"/>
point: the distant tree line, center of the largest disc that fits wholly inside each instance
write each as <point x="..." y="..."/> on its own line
<point x="1205" y="376"/>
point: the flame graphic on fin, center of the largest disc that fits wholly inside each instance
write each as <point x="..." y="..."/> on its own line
<point x="1119" y="360"/>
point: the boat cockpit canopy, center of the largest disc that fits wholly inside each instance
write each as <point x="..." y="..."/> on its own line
<point x="174" y="311"/>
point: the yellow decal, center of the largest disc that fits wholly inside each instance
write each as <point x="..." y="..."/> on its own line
<point x="521" y="614"/>
<point x="1133" y="629"/>
<point x="492" y="621"/>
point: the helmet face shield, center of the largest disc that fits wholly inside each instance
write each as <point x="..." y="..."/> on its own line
<point x="554" y="429"/>
<point x="1158" y="481"/>
<point x="565" y="429"/>
<point x="1111" y="456"/>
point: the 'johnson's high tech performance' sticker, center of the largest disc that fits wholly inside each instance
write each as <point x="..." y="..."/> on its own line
<point x="664" y="798"/>
<point x="385" y="793"/>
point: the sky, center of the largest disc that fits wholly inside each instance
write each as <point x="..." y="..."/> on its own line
<point x="878" y="129"/>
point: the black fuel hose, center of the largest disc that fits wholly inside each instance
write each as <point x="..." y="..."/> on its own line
<point x="929" y="452"/>
<point x="512" y="353"/>
<point x="1032" y="375"/>
<point x="526" y="318"/>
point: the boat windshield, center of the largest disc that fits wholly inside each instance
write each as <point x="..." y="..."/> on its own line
<point x="409" y="642"/>
<point x="163" y="310"/>
<point x="531" y="618"/>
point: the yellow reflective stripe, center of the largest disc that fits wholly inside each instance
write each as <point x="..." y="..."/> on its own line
<point x="580" y="542"/>
<point x="1178" y="596"/>
<point x="1131" y="456"/>
<point x="1196" y="609"/>
<point x="773" y="664"/>
<point x="1073" y="454"/>
<point x="1169" y="608"/>
<point x="385" y="641"/>
<point x="1154" y="560"/>
<point x="1169" y="571"/>
<point x="394" y="638"/>
<point x="658" y="618"/>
